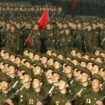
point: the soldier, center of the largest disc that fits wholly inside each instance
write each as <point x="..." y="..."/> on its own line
<point x="37" y="57"/>
<point x="95" y="97"/>
<point x="38" y="69"/>
<point x="4" y="95"/>
<point x="61" y="95"/>
<point x="25" y="82"/>
<point x="44" y="59"/>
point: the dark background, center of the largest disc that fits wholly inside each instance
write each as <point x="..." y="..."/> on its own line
<point x="85" y="7"/>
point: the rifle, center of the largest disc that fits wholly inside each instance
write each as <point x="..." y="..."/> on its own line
<point x="48" y="94"/>
<point x="15" y="94"/>
<point x="76" y="96"/>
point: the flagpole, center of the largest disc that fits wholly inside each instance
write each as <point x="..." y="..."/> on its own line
<point x="27" y="37"/>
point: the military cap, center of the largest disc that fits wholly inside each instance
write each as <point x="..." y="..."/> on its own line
<point x="85" y="70"/>
<point x="60" y="53"/>
<point x="64" y="78"/>
<point x="37" y="53"/>
<point x="67" y="63"/>
<point x="78" y="68"/>
<point x="12" y="64"/>
<point x="45" y="55"/>
<point x="27" y="59"/>
<point x="58" y="71"/>
<point x="30" y="50"/>
<point x="99" y="49"/>
<point x="38" y="77"/>
<point x="98" y="77"/>
<point x="82" y="60"/>
<point x="51" y="49"/>
<point x="58" y="60"/>
<point x="5" y="78"/>
<point x="96" y="63"/>
<point x="50" y="68"/>
<point x="99" y="56"/>
<point x="39" y="64"/>
<point x="102" y="66"/>
<point x="19" y="56"/>
<point x="6" y="61"/>
<point x="3" y="48"/>
<point x="26" y="70"/>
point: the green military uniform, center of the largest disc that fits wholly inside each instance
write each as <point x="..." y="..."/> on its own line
<point x="91" y="99"/>
<point x="29" y="97"/>
<point x="4" y="96"/>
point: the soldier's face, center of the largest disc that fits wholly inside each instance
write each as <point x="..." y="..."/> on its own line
<point x="12" y="29"/>
<point x="97" y="52"/>
<point x="95" y="84"/>
<point x="17" y="60"/>
<point x="77" y="74"/>
<point x="83" y="64"/>
<point x="27" y="64"/>
<point x="22" y="61"/>
<point x="25" y="52"/>
<point x="54" y="54"/>
<point x="102" y="73"/>
<point x="44" y="60"/>
<point x="31" y="55"/>
<point x="73" y="52"/>
<point x="89" y="66"/>
<point x="57" y="65"/>
<point x="49" y="52"/>
<point x="36" y="57"/>
<point x="49" y="74"/>
<point x="50" y="62"/>
<point x="95" y="69"/>
<point x="75" y="62"/>
<point x="60" y="57"/>
<point x="18" y="26"/>
<point x="102" y="54"/>
<point x="62" y="85"/>
<point x="86" y="57"/>
<point x="6" y="56"/>
<point x="37" y="70"/>
<point x="12" y="58"/>
<point x="68" y="70"/>
<point x="78" y="55"/>
<point x="4" y="85"/>
<point x="12" y="70"/>
<point x="99" y="60"/>
<point x="26" y="78"/>
<point x="84" y="78"/>
<point x="36" y="83"/>
<point x="55" y="77"/>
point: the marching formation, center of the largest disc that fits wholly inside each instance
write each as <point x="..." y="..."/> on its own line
<point x="52" y="78"/>
<point x="62" y="64"/>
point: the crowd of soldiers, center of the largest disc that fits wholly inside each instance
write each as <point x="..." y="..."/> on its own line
<point x="52" y="78"/>
<point x="62" y="67"/>
<point x="61" y="34"/>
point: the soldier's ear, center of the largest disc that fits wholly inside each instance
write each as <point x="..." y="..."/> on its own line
<point x="100" y="85"/>
<point x="41" y="84"/>
<point x="67" y="85"/>
<point x="30" y="79"/>
<point x="89" y="78"/>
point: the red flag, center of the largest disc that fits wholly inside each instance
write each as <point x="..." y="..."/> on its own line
<point x="74" y="5"/>
<point x="43" y="21"/>
<point x="29" y="41"/>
